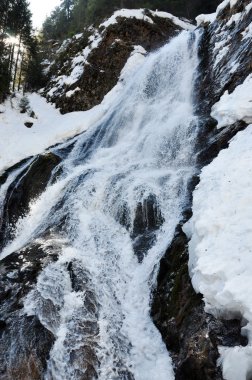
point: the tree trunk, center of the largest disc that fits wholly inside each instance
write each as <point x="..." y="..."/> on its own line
<point x="21" y="71"/>
<point x="16" y="65"/>
<point x="11" y="56"/>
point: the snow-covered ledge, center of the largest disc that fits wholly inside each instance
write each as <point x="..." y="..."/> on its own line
<point x="220" y="248"/>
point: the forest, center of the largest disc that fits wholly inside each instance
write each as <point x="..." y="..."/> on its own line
<point x="21" y="50"/>
<point x="72" y="15"/>
<point x="18" y="48"/>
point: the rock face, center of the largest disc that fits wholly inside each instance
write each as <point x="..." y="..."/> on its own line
<point x="24" y="342"/>
<point x="105" y="61"/>
<point x="226" y="55"/>
<point x="20" y="193"/>
<point x="192" y="336"/>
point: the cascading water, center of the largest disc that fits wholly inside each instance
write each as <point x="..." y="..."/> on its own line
<point x="111" y="209"/>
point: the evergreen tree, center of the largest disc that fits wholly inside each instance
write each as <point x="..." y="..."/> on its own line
<point x="72" y="15"/>
<point x="15" y="20"/>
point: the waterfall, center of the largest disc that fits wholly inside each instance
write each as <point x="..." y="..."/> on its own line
<point x="110" y="209"/>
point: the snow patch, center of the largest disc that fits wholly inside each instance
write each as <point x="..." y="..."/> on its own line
<point x="205" y="19"/>
<point x="177" y="21"/>
<point x="72" y="92"/>
<point x="247" y="32"/>
<point x="18" y="142"/>
<point x="128" y="13"/>
<point x="221" y="244"/>
<point x="234" y="106"/>
<point x="140" y="15"/>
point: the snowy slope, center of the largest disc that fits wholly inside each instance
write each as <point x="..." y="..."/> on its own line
<point x="221" y="244"/>
<point x="50" y="127"/>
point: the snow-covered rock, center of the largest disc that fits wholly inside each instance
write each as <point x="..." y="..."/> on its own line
<point x="221" y="244"/>
<point x="226" y="49"/>
<point x="93" y="60"/>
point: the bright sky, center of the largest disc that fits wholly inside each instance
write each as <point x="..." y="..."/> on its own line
<point x="40" y="9"/>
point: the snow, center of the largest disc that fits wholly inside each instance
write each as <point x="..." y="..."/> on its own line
<point x="128" y="13"/>
<point x="61" y="83"/>
<point x="140" y="15"/>
<point x="221" y="52"/>
<point x="77" y="66"/>
<point x="248" y="31"/>
<point x="50" y="127"/>
<point x="136" y="58"/>
<point x="248" y="8"/>
<point x="177" y="21"/>
<point x="234" y="106"/>
<point x="2" y="108"/>
<point x="210" y="18"/>
<point x="204" y="19"/>
<point x="234" y="18"/>
<point x="18" y="142"/>
<point x="221" y="244"/>
<point x="72" y="92"/>
<point x="78" y="36"/>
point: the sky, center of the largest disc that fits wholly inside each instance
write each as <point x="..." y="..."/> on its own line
<point x="40" y="9"/>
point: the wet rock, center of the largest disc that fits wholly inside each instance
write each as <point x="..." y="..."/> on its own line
<point x="148" y="219"/>
<point x="24" y="343"/>
<point x="28" y="185"/>
<point x="191" y="335"/>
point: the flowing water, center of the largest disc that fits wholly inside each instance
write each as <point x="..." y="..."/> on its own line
<point x="118" y="196"/>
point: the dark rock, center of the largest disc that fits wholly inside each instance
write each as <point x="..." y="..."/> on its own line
<point x="28" y="185"/>
<point x="148" y="219"/>
<point x="191" y="335"/>
<point x="32" y="342"/>
<point x="28" y="124"/>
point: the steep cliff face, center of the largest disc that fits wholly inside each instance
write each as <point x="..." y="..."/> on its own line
<point x="192" y="335"/>
<point x="87" y="67"/>
<point x="226" y="56"/>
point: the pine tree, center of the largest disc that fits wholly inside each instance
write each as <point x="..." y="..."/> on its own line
<point x="15" y="20"/>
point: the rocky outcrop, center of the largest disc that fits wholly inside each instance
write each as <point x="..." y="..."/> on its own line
<point x="191" y="335"/>
<point x="225" y="61"/>
<point x="21" y="193"/>
<point x="24" y="342"/>
<point x="105" y="59"/>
